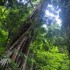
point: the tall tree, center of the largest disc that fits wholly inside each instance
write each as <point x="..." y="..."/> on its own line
<point x="23" y="38"/>
<point x="65" y="6"/>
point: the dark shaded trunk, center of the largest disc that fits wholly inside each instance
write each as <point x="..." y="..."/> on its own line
<point x="65" y="16"/>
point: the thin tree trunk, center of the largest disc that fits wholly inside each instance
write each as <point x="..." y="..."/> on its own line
<point x="23" y="67"/>
<point x="32" y="62"/>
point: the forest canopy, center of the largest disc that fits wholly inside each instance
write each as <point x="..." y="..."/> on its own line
<point x="34" y="35"/>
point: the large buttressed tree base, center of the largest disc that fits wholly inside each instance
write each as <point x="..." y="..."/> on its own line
<point x="20" y="44"/>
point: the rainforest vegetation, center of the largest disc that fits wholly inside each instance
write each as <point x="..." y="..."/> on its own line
<point x="34" y="34"/>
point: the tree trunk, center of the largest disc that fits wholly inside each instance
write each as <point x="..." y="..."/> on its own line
<point x="23" y="38"/>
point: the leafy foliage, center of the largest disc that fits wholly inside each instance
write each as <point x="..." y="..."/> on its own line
<point x="48" y="51"/>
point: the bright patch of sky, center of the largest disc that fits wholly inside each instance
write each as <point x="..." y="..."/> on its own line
<point x="45" y="26"/>
<point x="23" y="1"/>
<point x="53" y="13"/>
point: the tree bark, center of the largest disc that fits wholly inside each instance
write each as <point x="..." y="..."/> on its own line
<point x="23" y="39"/>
